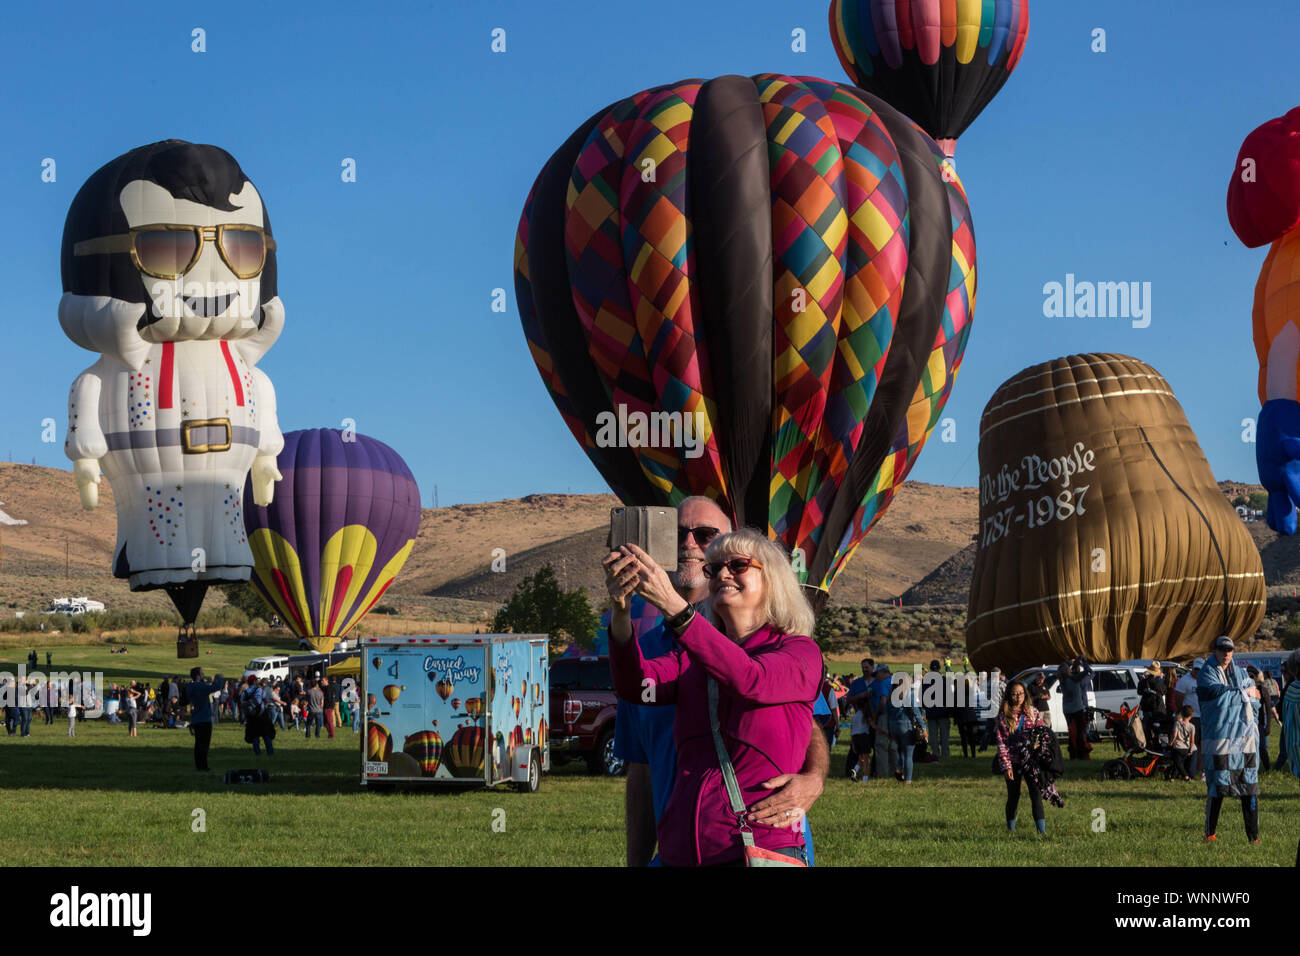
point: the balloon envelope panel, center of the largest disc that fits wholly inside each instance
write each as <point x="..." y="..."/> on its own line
<point x="1102" y="529"/>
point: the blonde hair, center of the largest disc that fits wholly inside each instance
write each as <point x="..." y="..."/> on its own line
<point x="784" y="605"/>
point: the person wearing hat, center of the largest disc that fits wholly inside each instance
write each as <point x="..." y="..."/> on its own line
<point x="1151" y="685"/>
<point x="1230" y="730"/>
<point x="1291" y="720"/>
<point x="1185" y="696"/>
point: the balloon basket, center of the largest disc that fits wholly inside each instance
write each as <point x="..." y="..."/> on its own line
<point x="187" y="648"/>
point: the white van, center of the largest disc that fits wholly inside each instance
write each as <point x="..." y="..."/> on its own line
<point x="1112" y="686"/>
<point x="272" y="668"/>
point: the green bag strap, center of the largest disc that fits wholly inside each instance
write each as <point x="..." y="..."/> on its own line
<point x="728" y="771"/>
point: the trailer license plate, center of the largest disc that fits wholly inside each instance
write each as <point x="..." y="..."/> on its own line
<point x="377" y="768"/>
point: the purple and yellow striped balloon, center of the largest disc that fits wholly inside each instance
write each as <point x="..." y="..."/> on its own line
<point x="342" y="524"/>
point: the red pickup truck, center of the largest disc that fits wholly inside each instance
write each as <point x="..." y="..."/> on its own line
<point x="583" y="707"/>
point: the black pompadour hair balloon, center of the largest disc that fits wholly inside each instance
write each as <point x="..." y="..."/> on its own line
<point x="193" y="171"/>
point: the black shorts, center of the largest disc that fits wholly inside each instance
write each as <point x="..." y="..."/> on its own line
<point x="862" y="743"/>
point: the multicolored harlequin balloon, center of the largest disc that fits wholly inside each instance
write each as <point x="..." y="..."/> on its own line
<point x="444" y="688"/>
<point x="464" y="752"/>
<point x="341" y="526"/>
<point x="379" y="742"/>
<point x="939" y="61"/>
<point x="426" y="748"/>
<point x="796" y="281"/>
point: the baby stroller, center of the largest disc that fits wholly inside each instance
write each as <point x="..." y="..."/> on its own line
<point x="1141" y="758"/>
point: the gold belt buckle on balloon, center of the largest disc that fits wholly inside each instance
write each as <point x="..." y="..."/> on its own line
<point x="190" y="447"/>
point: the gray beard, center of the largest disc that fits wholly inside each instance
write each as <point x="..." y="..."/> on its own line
<point x="686" y="584"/>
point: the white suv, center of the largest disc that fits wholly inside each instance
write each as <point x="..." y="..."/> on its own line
<point x="271" y="668"/>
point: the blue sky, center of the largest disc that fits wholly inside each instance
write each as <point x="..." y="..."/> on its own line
<point x="1112" y="166"/>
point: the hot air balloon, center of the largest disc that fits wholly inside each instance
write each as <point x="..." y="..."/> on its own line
<point x="444" y="688"/>
<point x="391" y="692"/>
<point x="464" y="752"/>
<point x="455" y="703"/>
<point x="514" y="703"/>
<point x="1102" y="529"/>
<point x="175" y="411"/>
<point x="340" y="528"/>
<point x="376" y="662"/>
<point x="541" y="732"/>
<point x="474" y="706"/>
<point x="426" y="748"/>
<point x="371" y="700"/>
<point x="1264" y="207"/>
<point x="379" y="742"/>
<point x="786" y="302"/>
<point x="939" y="61"/>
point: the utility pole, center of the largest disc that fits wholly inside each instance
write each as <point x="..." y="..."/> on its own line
<point x="435" y="496"/>
<point x="65" y="559"/>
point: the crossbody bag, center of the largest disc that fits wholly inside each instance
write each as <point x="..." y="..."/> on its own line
<point x="754" y="855"/>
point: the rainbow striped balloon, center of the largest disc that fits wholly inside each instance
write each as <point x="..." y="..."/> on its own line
<point x="939" y="61"/>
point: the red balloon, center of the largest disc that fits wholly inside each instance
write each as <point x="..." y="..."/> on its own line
<point x="1264" y="193"/>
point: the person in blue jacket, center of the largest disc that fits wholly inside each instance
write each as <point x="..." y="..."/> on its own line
<point x="199" y="693"/>
<point x="1230" y="738"/>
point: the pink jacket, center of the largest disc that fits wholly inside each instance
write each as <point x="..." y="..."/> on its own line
<point x="766" y="688"/>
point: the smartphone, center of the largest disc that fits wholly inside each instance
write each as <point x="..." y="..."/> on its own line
<point x="651" y="528"/>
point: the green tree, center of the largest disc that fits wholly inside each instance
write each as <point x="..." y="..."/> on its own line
<point x="245" y="597"/>
<point x="1291" y="633"/>
<point x="540" y="606"/>
<point x="1259" y="500"/>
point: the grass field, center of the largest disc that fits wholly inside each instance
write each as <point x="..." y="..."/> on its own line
<point x="105" y="799"/>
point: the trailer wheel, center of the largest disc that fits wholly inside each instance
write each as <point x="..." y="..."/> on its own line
<point x="534" y="781"/>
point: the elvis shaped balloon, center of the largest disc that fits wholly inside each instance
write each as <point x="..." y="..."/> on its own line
<point x="169" y="273"/>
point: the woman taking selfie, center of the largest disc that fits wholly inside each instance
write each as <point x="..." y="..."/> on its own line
<point x="756" y="669"/>
<point x="1015" y="719"/>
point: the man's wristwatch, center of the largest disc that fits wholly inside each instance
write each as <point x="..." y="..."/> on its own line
<point x="681" y="620"/>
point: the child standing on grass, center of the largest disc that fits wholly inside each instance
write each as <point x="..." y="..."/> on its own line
<point x="296" y="713"/>
<point x="1184" y="744"/>
<point x="72" y="716"/>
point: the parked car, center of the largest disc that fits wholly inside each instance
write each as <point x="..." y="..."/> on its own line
<point x="583" y="708"/>
<point x="272" y="668"/>
<point x="1113" y="685"/>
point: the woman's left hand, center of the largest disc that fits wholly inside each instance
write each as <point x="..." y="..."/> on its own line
<point x="651" y="582"/>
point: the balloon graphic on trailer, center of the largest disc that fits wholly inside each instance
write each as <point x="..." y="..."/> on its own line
<point x="938" y="61"/>
<point x="1102" y="529"/>
<point x="474" y="706"/>
<point x="169" y="274"/>
<point x="379" y="742"/>
<point x="464" y="752"/>
<point x="392" y="692"/>
<point x="1264" y="208"/>
<point x="785" y="303"/>
<point x="426" y="747"/>
<point x="444" y="688"/>
<point x="340" y="529"/>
